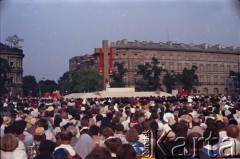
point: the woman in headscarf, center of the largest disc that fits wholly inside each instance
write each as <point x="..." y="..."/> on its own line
<point x="84" y="145"/>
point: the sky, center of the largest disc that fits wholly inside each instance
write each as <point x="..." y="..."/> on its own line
<point x="56" y="30"/>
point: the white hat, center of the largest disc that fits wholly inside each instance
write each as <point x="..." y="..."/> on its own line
<point x="34" y="113"/>
<point x="83" y="108"/>
<point x="147" y="115"/>
<point x="132" y="110"/>
<point x="50" y="108"/>
<point x="167" y="116"/>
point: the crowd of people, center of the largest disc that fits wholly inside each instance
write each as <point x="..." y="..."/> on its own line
<point x="121" y="128"/>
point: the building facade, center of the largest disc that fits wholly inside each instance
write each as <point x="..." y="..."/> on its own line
<point x="213" y="62"/>
<point x="15" y="58"/>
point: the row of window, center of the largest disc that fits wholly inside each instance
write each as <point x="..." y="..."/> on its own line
<point x="183" y="56"/>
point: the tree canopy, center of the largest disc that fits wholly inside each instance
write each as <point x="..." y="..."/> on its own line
<point x="30" y="86"/>
<point x="150" y="73"/>
<point x="118" y="75"/>
<point x="86" y="81"/>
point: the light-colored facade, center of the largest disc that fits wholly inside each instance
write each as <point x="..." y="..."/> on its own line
<point x="15" y="58"/>
<point x="213" y="62"/>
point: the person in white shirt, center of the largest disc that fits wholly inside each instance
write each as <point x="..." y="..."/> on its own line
<point x="11" y="148"/>
<point x="66" y="137"/>
<point x="230" y="146"/>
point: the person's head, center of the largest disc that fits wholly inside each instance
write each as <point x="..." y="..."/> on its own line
<point x="99" y="153"/>
<point x="44" y="156"/>
<point x="46" y="147"/>
<point x="19" y="126"/>
<point x="195" y="140"/>
<point x="73" y="130"/>
<point x="39" y="134"/>
<point x="61" y="153"/>
<point x="42" y="123"/>
<point x="57" y="121"/>
<point x="66" y="135"/>
<point x="119" y="127"/>
<point x="220" y="125"/>
<point x="9" y="143"/>
<point x="196" y="122"/>
<point x="94" y="129"/>
<point x="107" y="132"/>
<point x="113" y="144"/>
<point x="126" y="151"/>
<point x="180" y="129"/>
<point x="132" y="135"/>
<point x="110" y="115"/>
<point x="232" y="131"/>
<point x="139" y="128"/>
<point x="210" y="122"/>
<point x="211" y="137"/>
<point x="99" y="117"/>
<point x="154" y="126"/>
<point x="84" y="123"/>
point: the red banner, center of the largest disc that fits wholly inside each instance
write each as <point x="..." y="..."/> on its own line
<point x="100" y="62"/>
<point x="111" y="62"/>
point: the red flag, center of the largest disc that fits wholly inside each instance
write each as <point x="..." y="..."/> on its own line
<point x="100" y="62"/>
<point x="111" y="62"/>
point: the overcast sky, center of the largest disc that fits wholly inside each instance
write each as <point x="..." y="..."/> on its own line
<point x="56" y="30"/>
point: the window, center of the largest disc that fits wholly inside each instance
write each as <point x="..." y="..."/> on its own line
<point x="228" y="68"/>
<point x="221" y="67"/>
<point x="11" y="64"/>
<point x="201" y="79"/>
<point x="201" y="67"/>
<point x="208" y="68"/>
<point x="215" y="79"/>
<point x="208" y="79"/>
<point x="163" y="66"/>
<point x="235" y="68"/>
<point x="179" y="67"/>
<point x="187" y="65"/>
<point x="11" y="79"/>
<point x="215" y="68"/>
<point x="171" y="66"/>
<point x="116" y="55"/>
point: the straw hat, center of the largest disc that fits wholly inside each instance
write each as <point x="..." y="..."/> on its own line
<point x="187" y="118"/>
<point x="39" y="131"/>
<point x="50" y="108"/>
<point x="6" y="120"/>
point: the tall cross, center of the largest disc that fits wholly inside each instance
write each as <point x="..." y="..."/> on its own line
<point x="105" y="62"/>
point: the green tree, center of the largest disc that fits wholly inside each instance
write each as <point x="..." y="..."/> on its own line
<point x="150" y="73"/>
<point x="30" y="86"/>
<point x="47" y="86"/>
<point x="86" y="81"/>
<point x="234" y="82"/>
<point x="64" y="84"/>
<point x="4" y="70"/>
<point x="170" y="80"/>
<point x="118" y="75"/>
<point x="188" y="79"/>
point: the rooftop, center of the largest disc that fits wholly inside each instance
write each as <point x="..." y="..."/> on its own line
<point x="174" y="46"/>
